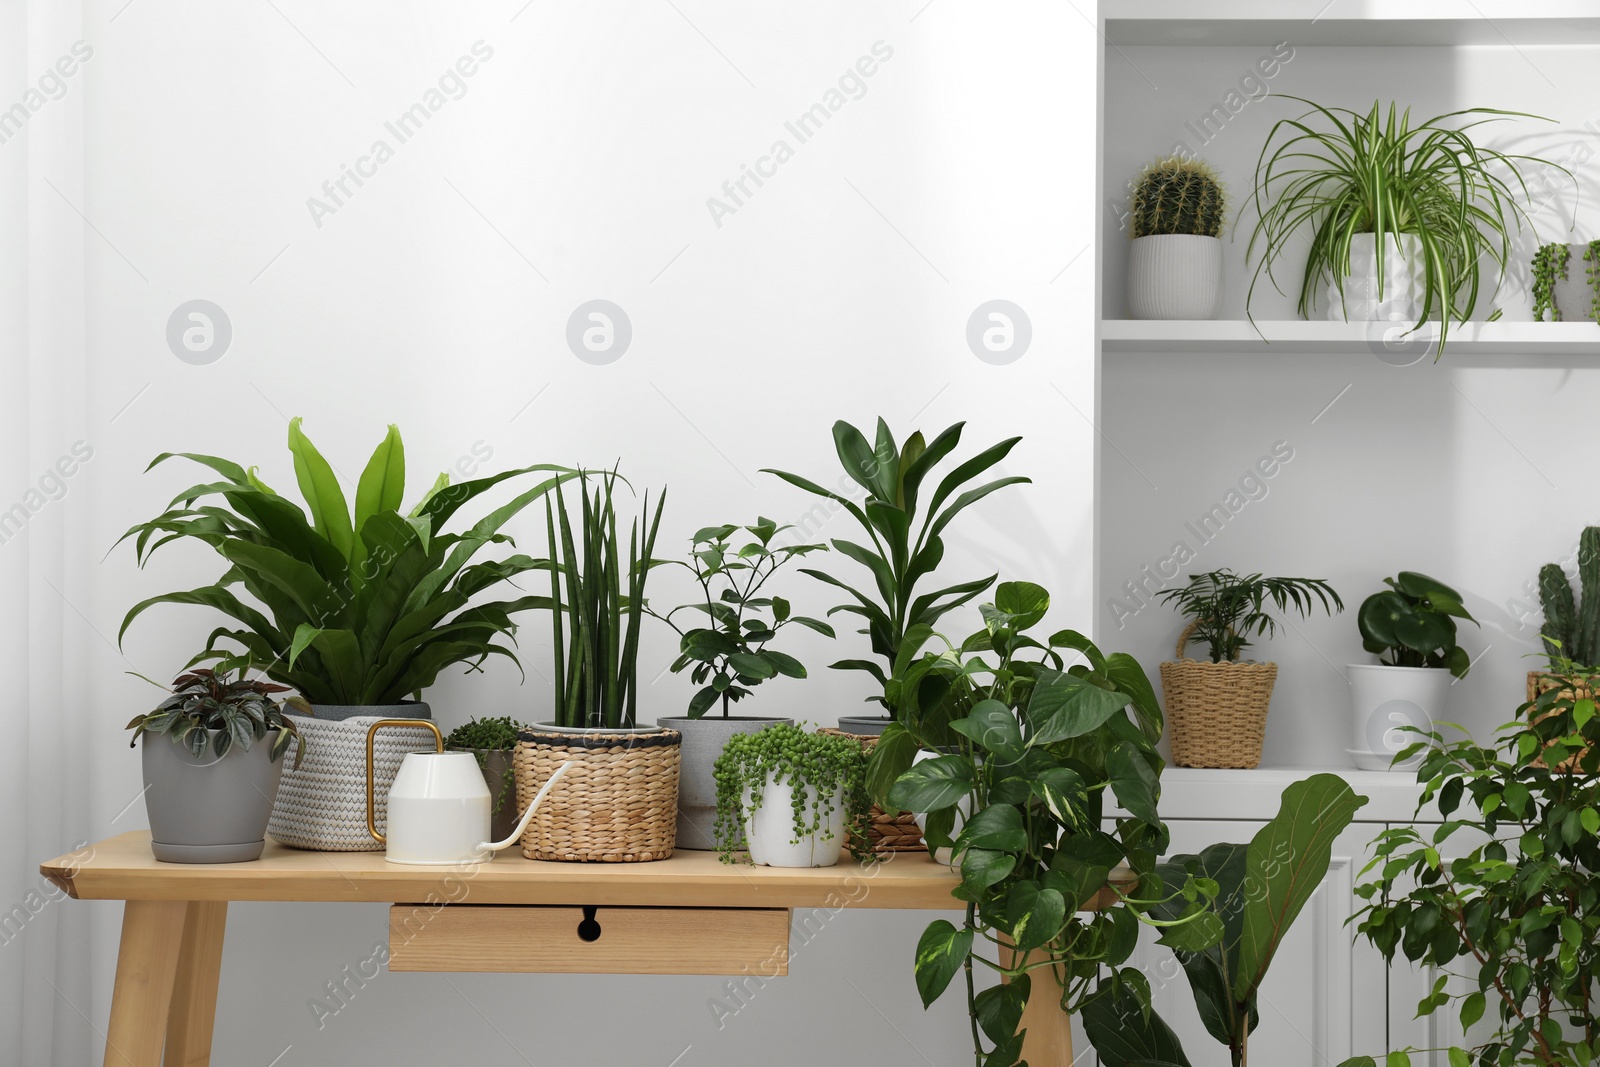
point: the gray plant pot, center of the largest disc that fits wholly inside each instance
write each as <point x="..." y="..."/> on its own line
<point x="864" y="724"/>
<point x="1572" y="296"/>
<point x="206" y="810"/>
<point x="406" y="709"/>
<point x="496" y="766"/>
<point x="703" y="741"/>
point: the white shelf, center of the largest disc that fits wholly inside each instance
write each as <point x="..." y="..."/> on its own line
<point x="1294" y="337"/>
<point x="1195" y="793"/>
<point x="1402" y="23"/>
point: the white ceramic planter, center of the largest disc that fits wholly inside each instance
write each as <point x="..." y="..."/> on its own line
<point x="1403" y="274"/>
<point x="769" y="831"/>
<point x="1384" y="700"/>
<point x="1174" y="276"/>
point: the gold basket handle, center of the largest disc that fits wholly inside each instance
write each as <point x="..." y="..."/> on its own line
<point x="372" y="733"/>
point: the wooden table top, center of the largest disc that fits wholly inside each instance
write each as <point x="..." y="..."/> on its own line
<point x="122" y="868"/>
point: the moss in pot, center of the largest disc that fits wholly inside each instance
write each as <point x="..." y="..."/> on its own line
<point x="795" y="798"/>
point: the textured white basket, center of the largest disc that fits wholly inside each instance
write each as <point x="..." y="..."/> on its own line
<point x="1404" y="279"/>
<point x="323" y="805"/>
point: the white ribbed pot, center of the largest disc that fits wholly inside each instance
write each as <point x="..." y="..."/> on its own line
<point x="1174" y="276"/>
<point x="769" y="829"/>
<point x="1385" y="700"/>
<point x="1403" y="281"/>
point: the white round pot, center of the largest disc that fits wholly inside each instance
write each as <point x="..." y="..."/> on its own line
<point x="963" y="809"/>
<point x="769" y="830"/>
<point x="1174" y="276"/>
<point x="1403" y="277"/>
<point x="1385" y="700"/>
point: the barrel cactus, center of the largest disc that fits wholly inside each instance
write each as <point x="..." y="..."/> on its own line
<point x="1178" y="196"/>
<point x="1571" y="628"/>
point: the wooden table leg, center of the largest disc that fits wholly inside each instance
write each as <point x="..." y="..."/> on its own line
<point x="1049" y="1039"/>
<point x="147" y="963"/>
<point x="194" y="994"/>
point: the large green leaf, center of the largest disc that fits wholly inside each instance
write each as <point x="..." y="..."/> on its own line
<point x="993" y="726"/>
<point x="330" y="513"/>
<point x="1065" y="705"/>
<point x="941" y="951"/>
<point x="1127" y="1032"/>
<point x="1211" y="972"/>
<point x="382" y="485"/>
<point x="932" y="784"/>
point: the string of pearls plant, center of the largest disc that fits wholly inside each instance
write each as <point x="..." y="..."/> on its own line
<point x="787" y="755"/>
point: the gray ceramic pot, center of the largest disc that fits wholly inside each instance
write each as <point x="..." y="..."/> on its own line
<point x="703" y="740"/>
<point x="497" y="775"/>
<point x="406" y="709"/>
<point x="872" y="725"/>
<point x="205" y="809"/>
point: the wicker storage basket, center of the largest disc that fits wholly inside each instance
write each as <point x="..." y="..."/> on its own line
<point x="885" y="833"/>
<point x="1543" y="682"/>
<point x="618" y="803"/>
<point x="323" y="805"/>
<point x="1216" y="712"/>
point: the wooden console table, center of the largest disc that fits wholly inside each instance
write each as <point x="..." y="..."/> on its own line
<point x="690" y="914"/>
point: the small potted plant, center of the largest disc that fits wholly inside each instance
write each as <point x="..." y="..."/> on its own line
<point x="619" y="800"/>
<point x="213" y="756"/>
<point x="1571" y="630"/>
<point x="491" y="741"/>
<point x="790" y="797"/>
<point x="1410" y="627"/>
<point x="1561" y="290"/>
<point x="1175" y="261"/>
<point x="1218" y="707"/>
<point x="728" y="655"/>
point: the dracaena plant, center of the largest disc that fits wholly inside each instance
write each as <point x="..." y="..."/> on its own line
<point x="1411" y="624"/>
<point x="1260" y="889"/>
<point x="215" y="708"/>
<point x="731" y="653"/>
<point x="1020" y="795"/>
<point x="905" y="541"/>
<point x="1228" y="608"/>
<point x="362" y="606"/>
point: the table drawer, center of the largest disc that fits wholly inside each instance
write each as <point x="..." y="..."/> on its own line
<point x="595" y="940"/>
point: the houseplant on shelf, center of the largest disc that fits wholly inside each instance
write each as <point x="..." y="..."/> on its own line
<point x="1427" y="196"/>
<point x="901" y="552"/>
<point x="1261" y="889"/>
<point x="357" y="610"/>
<point x="1218" y="707"/>
<point x="1410" y="627"/>
<point x="1560" y="289"/>
<point x="1571" y="630"/>
<point x="1514" y="915"/>
<point x="1175" y="260"/>
<point x="491" y="742"/>
<point x="728" y="654"/>
<point x="619" y="799"/>
<point x="212" y="759"/>
<point x="1037" y="745"/>
<point x="791" y="796"/>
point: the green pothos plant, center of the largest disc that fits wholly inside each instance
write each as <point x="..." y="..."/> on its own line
<point x="1019" y="794"/>
<point x="821" y="767"/>
<point x="1512" y="922"/>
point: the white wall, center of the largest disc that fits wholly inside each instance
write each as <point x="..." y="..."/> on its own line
<point x="576" y="166"/>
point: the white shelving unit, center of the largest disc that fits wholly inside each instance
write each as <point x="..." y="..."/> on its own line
<point x="1299" y="337"/>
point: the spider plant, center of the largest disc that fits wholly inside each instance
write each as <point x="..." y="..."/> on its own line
<point x="1380" y="174"/>
<point x="1228" y="608"/>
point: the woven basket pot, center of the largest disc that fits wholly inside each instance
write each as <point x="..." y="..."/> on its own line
<point x="1216" y="712"/>
<point x="885" y="833"/>
<point x="617" y="803"/>
<point x="323" y="805"/>
<point x="1542" y="682"/>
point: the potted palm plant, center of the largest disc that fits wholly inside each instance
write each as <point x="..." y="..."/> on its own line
<point x="728" y="655"/>
<point x="1403" y="218"/>
<point x="1410" y="626"/>
<point x="1175" y="261"/>
<point x="212" y="759"/>
<point x="791" y="798"/>
<point x="359" y="610"/>
<point x="619" y="799"/>
<point x="1218" y="707"/>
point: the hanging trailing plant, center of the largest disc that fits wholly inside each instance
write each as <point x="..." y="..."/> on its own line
<point x="1591" y="256"/>
<point x="1549" y="266"/>
<point x="820" y="767"/>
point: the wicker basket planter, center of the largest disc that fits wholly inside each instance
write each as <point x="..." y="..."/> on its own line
<point x="1216" y="712"/>
<point x="1542" y="682"/>
<point x="618" y="803"/>
<point x="886" y="834"/>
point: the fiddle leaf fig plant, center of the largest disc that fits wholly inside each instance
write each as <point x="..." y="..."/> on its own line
<point x="1229" y="608"/>
<point x="1410" y="624"/>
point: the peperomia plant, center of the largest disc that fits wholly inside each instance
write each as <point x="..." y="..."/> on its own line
<point x="1228" y="608"/>
<point x="822" y="768"/>
<point x="1514" y="916"/>
<point x="1036" y="745"/>
<point x="212" y="708"/>
<point x="902" y="552"/>
<point x="1411" y="624"/>
<point x="730" y="653"/>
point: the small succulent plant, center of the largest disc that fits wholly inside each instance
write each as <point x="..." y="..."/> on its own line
<point x="240" y="710"/>
<point x="1178" y="196"/>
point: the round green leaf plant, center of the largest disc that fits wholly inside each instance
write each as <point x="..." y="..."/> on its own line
<point x="1411" y="624"/>
<point x="819" y="767"/>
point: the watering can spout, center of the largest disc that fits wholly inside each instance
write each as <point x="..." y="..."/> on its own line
<point x="527" y="816"/>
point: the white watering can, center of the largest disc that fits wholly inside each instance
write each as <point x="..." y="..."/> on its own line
<point x="439" y="805"/>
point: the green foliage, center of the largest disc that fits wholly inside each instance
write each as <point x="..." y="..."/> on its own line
<point x="596" y="627"/>
<point x="902" y="553"/>
<point x="1229" y="608"/>
<point x="1571" y="629"/>
<point x="1178" y="196"/>
<point x="241" y="710"/>
<point x="484" y="735"/>
<point x="1549" y="266"/>
<point x="1516" y="914"/>
<point x="364" y="609"/>
<point x="730" y="653"/>
<point x="1382" y="175"/>
<point x="1035" y="746"/>
<point x="1410" y="622"/>
<point x="817" y="766"/>
<point x="1591" y="271"/>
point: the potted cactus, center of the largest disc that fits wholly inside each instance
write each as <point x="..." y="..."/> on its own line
<point x="1175" y="264"/>
<point x="1571" y="630"/>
